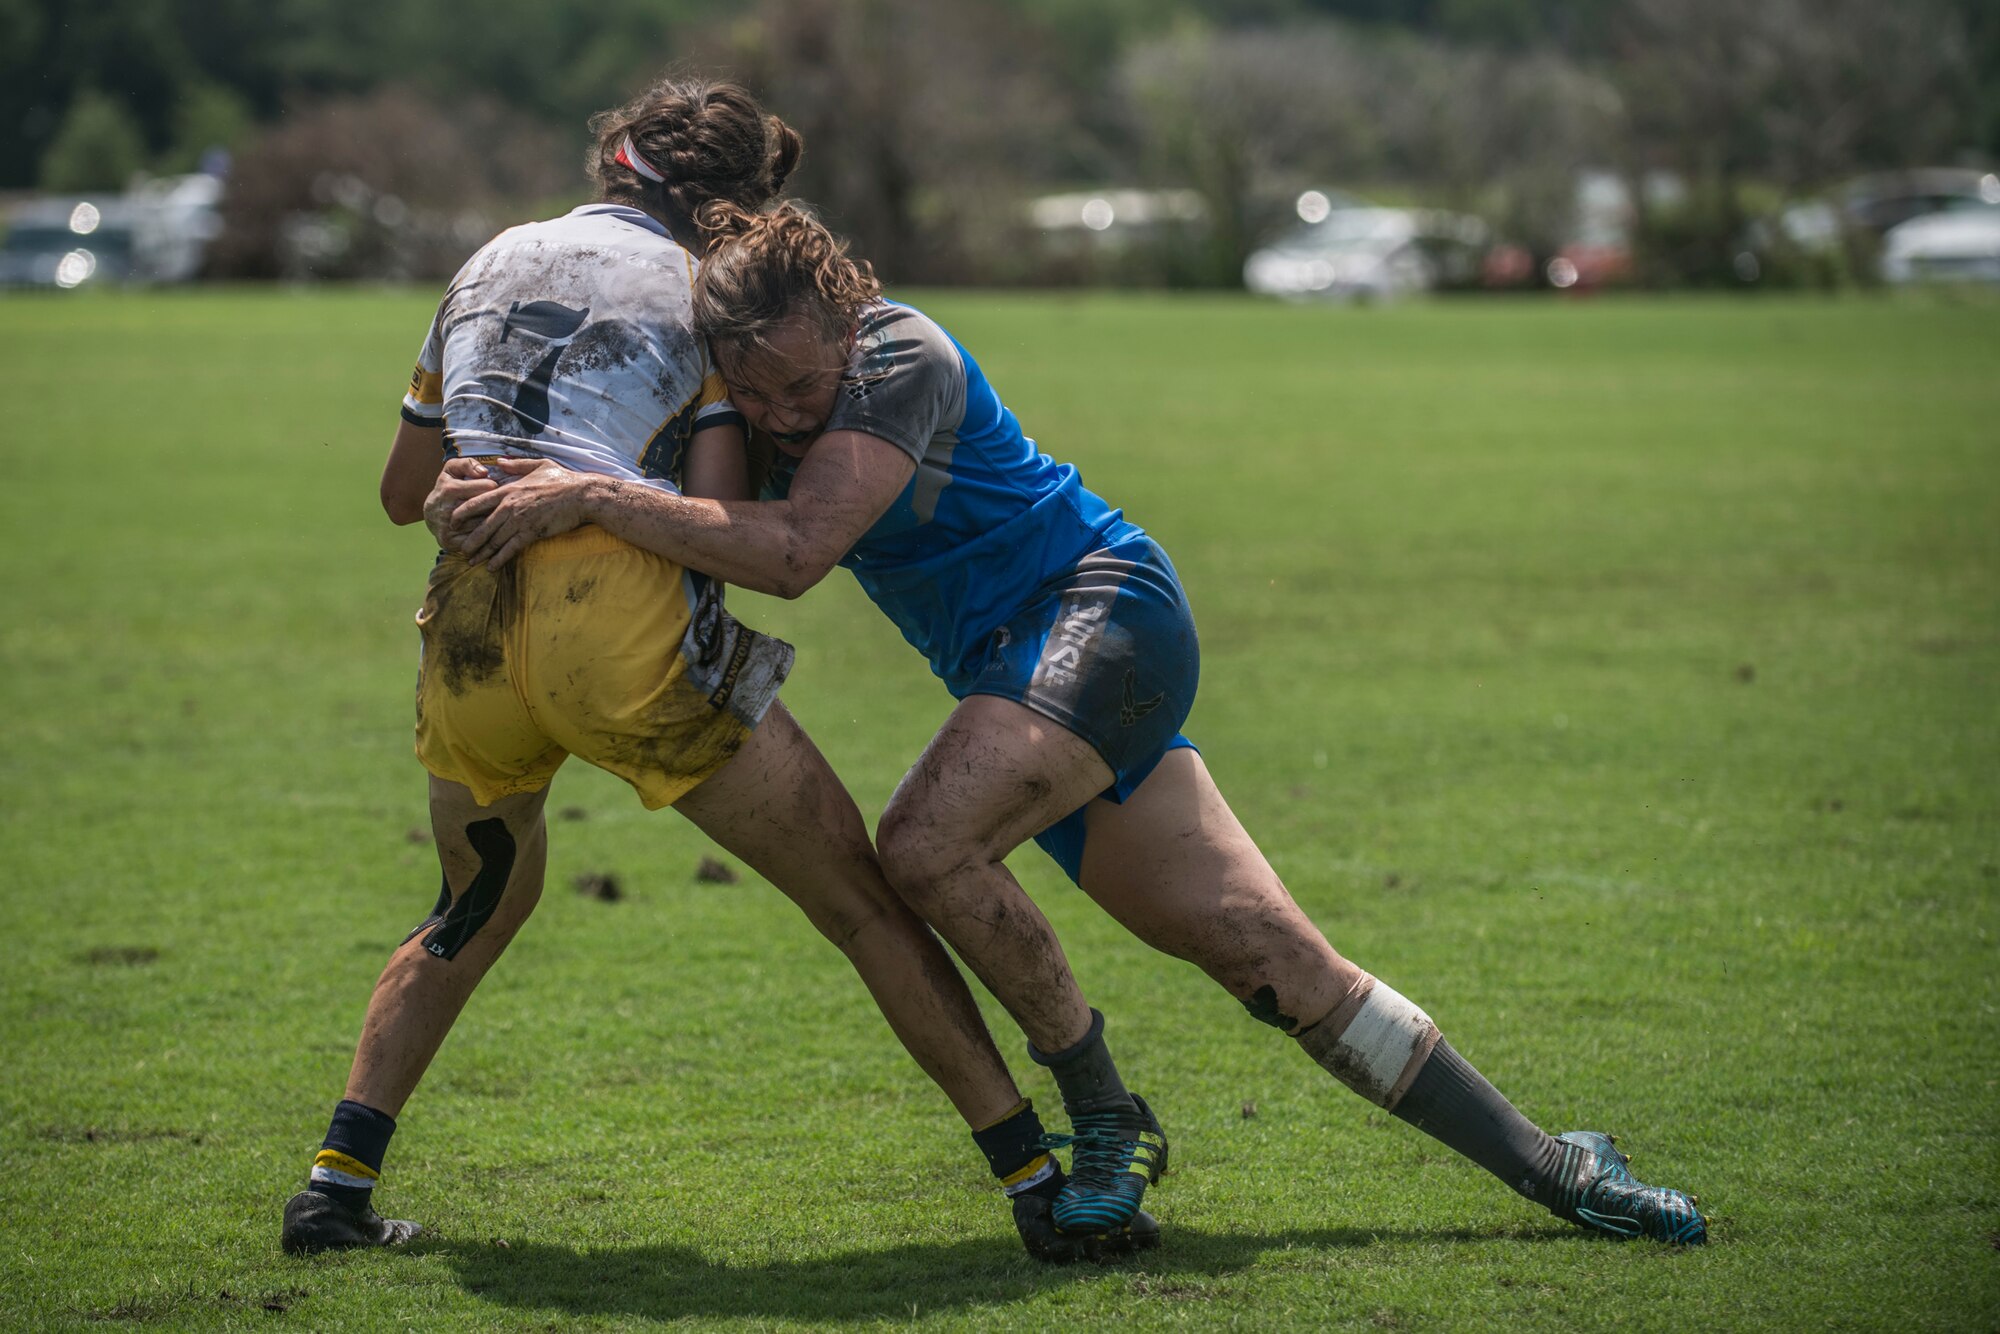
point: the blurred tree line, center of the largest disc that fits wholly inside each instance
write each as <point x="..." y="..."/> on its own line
<point x="415" y="124"/>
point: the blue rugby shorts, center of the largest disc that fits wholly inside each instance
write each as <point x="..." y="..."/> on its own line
<point x="1108" y="650"/>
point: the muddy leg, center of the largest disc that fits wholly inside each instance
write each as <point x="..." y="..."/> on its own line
<point x="494" y="857"/>
<point x="1177" y="869"/>
<point x="779" y="807"/>
<point x="995" y="775"/>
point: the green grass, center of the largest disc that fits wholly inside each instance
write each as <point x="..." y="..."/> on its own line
<point x="1620" y="680"/>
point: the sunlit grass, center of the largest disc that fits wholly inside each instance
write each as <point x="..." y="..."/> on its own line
<point x="1617" y="679"/>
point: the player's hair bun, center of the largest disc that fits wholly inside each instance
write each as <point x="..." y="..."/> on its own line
<point x="709" y="141"/>
<point x="787" y="148"/>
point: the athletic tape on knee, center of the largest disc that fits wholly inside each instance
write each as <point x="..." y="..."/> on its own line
<point x="1374" y="1042"/>
<point x="469" y="911"/>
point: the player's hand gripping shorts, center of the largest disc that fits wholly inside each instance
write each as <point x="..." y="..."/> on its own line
<point x="586" y="645"/>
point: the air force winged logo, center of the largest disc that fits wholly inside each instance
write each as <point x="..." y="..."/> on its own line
<point x="1132" y="709"/>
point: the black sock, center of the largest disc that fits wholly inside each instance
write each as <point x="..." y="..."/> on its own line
<point x="1453" y="1104"/>
<point x="1013" y="1149"/>
<point x="1085" y="1074"/>
<point x="349" y="1162"/>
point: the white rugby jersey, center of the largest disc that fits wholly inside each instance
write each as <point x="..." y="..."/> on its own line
<point x="572" y="340"/>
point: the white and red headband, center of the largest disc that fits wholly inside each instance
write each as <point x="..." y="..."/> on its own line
<point x="628" y="156"/>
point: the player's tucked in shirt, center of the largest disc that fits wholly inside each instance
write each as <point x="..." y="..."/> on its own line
<point x="570" y="340"/>
<point x="986" y="519"/>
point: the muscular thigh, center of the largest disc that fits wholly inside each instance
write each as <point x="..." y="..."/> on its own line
<point x="1176" y="867"/>
<point x="996" y="774"/>
<point x="778" y="805"/>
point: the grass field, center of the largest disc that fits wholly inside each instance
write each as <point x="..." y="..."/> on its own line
<point x="1620" y="680"/>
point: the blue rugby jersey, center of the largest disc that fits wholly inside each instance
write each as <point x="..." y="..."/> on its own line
<point x="986" y="519"/>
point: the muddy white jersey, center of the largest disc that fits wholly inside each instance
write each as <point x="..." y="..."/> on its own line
<point x="572" y="340"/>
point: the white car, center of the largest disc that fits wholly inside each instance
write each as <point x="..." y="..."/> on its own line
<point x="156" y="233"/>
<point x="1959" y="245"/>
<point x="1368" y="254"/>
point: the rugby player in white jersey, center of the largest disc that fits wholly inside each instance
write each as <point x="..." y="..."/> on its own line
<point x="570" y="341"/>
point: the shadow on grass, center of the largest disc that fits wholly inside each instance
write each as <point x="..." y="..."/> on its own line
<point x="666" y="1282"/>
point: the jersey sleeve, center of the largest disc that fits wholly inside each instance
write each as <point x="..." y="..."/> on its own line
<point x="907" y="378"/>
<point x="423" y="405"/>
<point x="712" y="405"/>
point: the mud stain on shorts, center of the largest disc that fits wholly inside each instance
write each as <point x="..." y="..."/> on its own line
<point x="466" y="616"/>
<point x="680" y="733"/>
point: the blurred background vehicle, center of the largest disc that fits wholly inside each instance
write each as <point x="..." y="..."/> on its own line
<point x="66" y="243"/>
<point x="1886" y="199"/>
<point x="1835" y="239"/>
<point x="937" y="128"/>
<point x="157" y="232"/>
<point x="1126" y="237"/>
<point x="1345" y="250"/>
<point x="1955" y="245"/>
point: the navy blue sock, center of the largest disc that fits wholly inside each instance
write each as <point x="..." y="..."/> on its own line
<point x="349" y="1162"/>
<point x="1013" y="1149"/>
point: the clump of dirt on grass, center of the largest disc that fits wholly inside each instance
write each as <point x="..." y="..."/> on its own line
<point x="713" y="872"/>
<point x="101" y="1135"/>
<point x="599" y="885"/>
<point x="120" y="956"/>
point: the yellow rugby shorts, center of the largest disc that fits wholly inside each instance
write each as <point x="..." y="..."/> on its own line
<point x="586" y="645"/>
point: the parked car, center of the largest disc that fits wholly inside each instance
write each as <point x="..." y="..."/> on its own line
<point x="1370" y="254"/>
<point x="154" y="234"/>
<point x="1827" y="240"/>
<point x="1956" y="245"/>
<point x="67" y="243"/>
<point x="1886" y="199"/>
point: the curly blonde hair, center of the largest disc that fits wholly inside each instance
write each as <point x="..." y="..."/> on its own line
<point x="765" y="267"/>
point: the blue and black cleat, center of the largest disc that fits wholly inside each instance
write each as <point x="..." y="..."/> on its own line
<point x="1114" y="1156"/>
<point x="1595" y="1189"/>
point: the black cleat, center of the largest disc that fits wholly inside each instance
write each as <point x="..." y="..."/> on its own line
<point x="316" y="1222"/>
<point x="1051" y="1245"/>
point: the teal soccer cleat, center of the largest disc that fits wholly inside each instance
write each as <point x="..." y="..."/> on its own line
<point x="1114" y="1156"/>
<point x="1596" y="1190"/>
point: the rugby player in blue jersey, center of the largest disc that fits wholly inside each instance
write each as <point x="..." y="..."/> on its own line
<point x="570" y="339"/>
<point x="1062" y="631"/>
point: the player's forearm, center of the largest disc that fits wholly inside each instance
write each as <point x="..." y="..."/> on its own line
<point x="752" y="544"/>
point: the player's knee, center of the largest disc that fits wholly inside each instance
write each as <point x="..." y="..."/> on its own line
<point x="919" y="858"/>
<point x="482" y="904"/>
